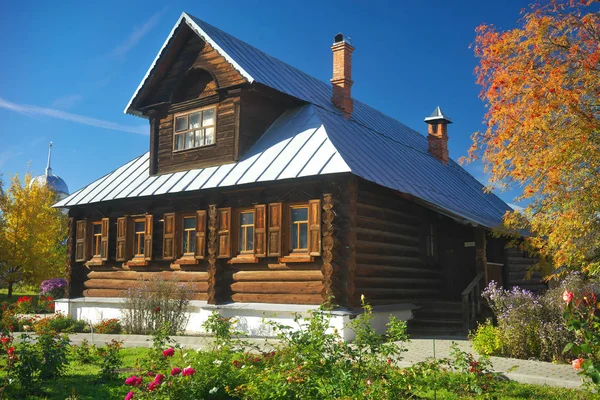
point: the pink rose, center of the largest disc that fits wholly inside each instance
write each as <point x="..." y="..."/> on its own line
<point x="567" y="296"/>
<point x="128" y="396"/>
<point x="159" y="378"/>
<point x="152" y="386"/>
<point x="188" y="371"/>
<point x="577" y="363"/>
<point x="169" y="352"/>
<point x="175" y="371"/>
<point x="133" y="381"/>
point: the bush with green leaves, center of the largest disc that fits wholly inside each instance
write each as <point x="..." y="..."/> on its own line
<point x="154" y="302"/>
<point x="582" y="318"/>
<point x="487" y="339"/>
<point x="110" y="360"/>
<point x="84" y="353"/>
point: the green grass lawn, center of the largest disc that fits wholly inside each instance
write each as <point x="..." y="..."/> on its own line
<point x="16" y="294"/>
<point x="81" y="381"/>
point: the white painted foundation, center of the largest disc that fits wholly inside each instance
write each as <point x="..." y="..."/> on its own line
<point x="251" y="318"/>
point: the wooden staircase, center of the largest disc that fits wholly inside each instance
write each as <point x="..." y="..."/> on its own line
<point x="437" y="319"/>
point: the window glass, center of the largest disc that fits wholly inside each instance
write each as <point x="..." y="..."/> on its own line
<point x="194" y="120"/>
<point x="299" y="214"/>
<point x="138" y="237"/>
<point x="178" y="142"/>
<point x="246" y="232"/>
<point x="97" y="229"/>
<point x="97" y="238"/>
<point x="303" y="236"/>
<point x="299" y="229"/>
<point x="181" y="123"/>
<point x="195" y="129"/>
<point x="199" y="138"/>
<point x="189" y="140"/>
<point x="208" y="117"/>
<point x="189" y="235"/>
<point x="210" y="135"/>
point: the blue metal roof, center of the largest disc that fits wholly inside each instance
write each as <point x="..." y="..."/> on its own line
<point x="375" y="146"/>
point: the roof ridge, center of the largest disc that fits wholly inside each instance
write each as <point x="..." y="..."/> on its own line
<point x="324" y="83"/>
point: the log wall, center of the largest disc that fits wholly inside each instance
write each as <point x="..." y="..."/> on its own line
<point x="216" y="279"/>
<point x="390" y="265"/>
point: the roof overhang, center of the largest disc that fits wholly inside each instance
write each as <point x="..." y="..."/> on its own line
<point x="183" y="19"/>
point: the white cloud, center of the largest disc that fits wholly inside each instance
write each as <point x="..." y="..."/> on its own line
<point x="138" y="34"/>
<point x="36" y="111"/>
<point x="67" y="101"/>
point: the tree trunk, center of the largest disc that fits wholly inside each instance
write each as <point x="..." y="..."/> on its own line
<point x="10" y="290"/>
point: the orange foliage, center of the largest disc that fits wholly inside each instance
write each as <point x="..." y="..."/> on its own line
<point x="541" y="85"/>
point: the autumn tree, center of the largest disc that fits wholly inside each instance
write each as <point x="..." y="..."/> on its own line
<point x="32" y="234"/>
<point x="541" y="85"/>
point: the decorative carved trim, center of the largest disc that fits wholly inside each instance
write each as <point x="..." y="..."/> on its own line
<point x="212" y="254"/>
<point x="330" y="291"/>
<point x="70" y="255"/>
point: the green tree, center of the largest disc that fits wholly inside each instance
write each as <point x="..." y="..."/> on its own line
<point x="32" y="234"/>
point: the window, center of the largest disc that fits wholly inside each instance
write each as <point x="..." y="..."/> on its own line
<point x="246" y="233"/>
<point x="96" y="238"/>
<point x="194" y="129"/>
<point x="139" y="231"/>
<point x="189" y="235"/>
<point x="431" y="241"/>
<point x="299" y="229"/>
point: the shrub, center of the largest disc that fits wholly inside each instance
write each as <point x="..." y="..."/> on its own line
<point x="487" y="339"/>
<point x="59" y="323"/>
<point x="31" y="305"/>
<point x="108" y="326"/>
<point x="54" y="287"/>
<point x="110" y="360"/>
<point x="530" y="325"/>
<point x="155" y="302"/>
<point x="84" y="353"/>
<point x="583" y="319"/>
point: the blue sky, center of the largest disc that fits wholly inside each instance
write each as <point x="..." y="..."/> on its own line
<point x="69" y="68"/>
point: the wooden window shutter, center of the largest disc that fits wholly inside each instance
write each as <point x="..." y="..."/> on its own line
<point x="104" y="239"/>
<point x="224" y="232"/>
<point x="169" y="236"/>
<point x="200" y="234"/>
<point x="81" y="241"/>
<point x="314" y="227"/>
<point x="122" y="245"/>
<point x="275" y="233"/>
<point x="260" y="230"/>
<point x="148" y="237"/>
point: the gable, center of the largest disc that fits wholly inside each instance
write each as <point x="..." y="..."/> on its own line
<point x="187" y="57"/>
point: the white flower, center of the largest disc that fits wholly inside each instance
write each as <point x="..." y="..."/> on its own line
<point x="217" y="362"/>
<point x="213" y="390"/>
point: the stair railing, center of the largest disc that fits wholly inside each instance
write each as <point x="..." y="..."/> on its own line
<point x="471" y="302"/>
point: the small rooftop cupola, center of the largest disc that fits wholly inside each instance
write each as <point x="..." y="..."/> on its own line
<point x="342" y="74"/>
<point x="437" y="134"/>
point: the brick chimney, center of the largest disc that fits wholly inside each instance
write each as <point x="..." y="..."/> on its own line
<point x="342" y="74"/>
<point x="437" y="134"/>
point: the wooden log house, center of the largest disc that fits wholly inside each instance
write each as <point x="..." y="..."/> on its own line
<point x="264" y="185"/>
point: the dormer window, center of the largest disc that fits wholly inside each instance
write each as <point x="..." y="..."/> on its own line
<point x="194" y="129"/>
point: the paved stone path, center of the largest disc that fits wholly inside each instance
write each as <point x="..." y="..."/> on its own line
<point x="525" y="371"/>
